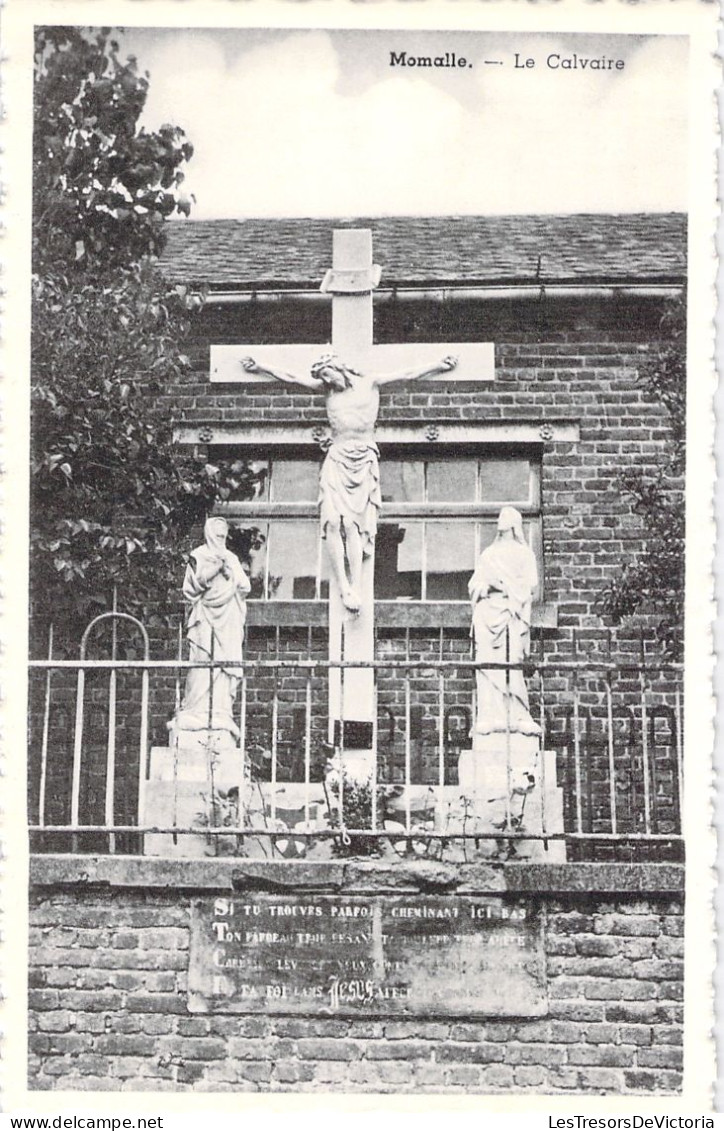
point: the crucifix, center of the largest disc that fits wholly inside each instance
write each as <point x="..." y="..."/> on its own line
<point x="350" y="380"/>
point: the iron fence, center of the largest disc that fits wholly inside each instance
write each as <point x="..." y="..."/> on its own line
<point x="105" y="777"/>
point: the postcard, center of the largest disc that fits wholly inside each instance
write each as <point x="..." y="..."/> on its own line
<point x="359" y="558"/>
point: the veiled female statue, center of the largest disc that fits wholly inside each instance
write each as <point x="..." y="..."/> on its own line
<point x="215" y="586"/>
<point x="501" y="590"/>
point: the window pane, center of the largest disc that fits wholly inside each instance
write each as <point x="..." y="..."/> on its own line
<point x="486" y="534"/>
<point x="398" y="561"/>
<point x="325" y="572"/>
<point x="504" y="480"/>
<point x="401" y="480"/>
<point x="248" y="488"/>
<point x="261" y="468"/>
<point x="534" y="534"/>
<point x="451" y="481"/>
<point x="249" y="543"/>
<point x="295" y="481"/>
<point x="293" y="555"/>
<point x="450" y="560"/>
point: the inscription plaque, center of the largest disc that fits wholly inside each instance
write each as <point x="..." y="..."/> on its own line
<point x="367" y="955"/>
<point x="358" y="734"/>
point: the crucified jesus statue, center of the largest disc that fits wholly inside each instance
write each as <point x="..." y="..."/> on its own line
<point x="349" y="483"/>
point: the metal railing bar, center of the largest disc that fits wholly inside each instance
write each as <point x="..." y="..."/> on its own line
<point x="177" y="708"/>
<point x="45" y="735"/>
<point x="679" y="751"/>
<point x="466" y="665"/>
<point x="375" y="766"/>
<point x="111" y="736"/>
<point x="526" y="667"/>
<point x="77" y="748"/>
<point x="542" y="715"/>
<point x="654" y="766"/>
<point x="243" y="706"/>
<point x="209" y="746"/>
<point x="115" y="616"/>
<point x="508" y="767"/>
<point x="275" y="730"/>
<point x="342" y="689"/>
<point x="268" y="532"/>
<point x="645" y="756"/>
<point x="255" y="830"/>
<point x="441" y="738"/>
<point x="589" y="778"/>
<point x="644" y="732"/>
<point x="308" y="734"/>
<point x="143" y="744"/>
<point x="611" y="755"/>
<point x="408" y="745"/>
<point x="577" y="756"/>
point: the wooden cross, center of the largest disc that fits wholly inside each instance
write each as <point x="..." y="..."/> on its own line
<point x="350" y="282"/>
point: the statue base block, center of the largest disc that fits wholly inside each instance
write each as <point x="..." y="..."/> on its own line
<point x="179" y="793"/>
<point x="200" y="783"/>
<point x="196" y="751"/>
<point x="195" y="781"/>
<point x="484" y="769"/>
<point x="507" y="785"/>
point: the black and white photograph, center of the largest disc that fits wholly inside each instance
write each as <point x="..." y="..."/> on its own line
<point x="366" y="605"/>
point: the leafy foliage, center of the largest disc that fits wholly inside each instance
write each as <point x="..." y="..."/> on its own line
<point x="112" y="497"/>
<point x="102" y="186"/>
<point x="654" y="582"/>
<point x="358" y="798"/>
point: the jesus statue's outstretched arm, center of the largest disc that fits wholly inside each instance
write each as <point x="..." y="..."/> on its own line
<point x="442" y="366"/>
<point x="305" y="379"/>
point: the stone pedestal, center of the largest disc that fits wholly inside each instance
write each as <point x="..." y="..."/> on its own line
<point x="493" y="767"/>
<point x="508" y="784"/>
<point x="199" y="783"/>
<point x="196" y="780"/>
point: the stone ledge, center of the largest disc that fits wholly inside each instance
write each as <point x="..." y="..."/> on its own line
<point x="388" y="614"/>
<point x="140" y="872"/>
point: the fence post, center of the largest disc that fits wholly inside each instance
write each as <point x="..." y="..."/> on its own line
<point x="577" y="739"/>
<point x="508" y="768"/>
<point x="46" y="734"/>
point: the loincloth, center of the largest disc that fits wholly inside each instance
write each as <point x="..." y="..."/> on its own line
<point x="349" y="488"/>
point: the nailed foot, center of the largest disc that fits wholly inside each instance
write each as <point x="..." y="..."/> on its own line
<point x="351" y="601"/>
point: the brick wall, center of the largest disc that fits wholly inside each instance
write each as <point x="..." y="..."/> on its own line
<point x="109" y="977"/>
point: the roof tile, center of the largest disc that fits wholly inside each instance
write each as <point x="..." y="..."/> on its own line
<point x="596" y="247"/>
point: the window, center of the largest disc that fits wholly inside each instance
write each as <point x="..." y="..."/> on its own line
<point x="437" y="516"/>
<point x="279" y="541"/>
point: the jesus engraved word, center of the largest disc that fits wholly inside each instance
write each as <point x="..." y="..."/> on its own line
<point x="349" y="483"/>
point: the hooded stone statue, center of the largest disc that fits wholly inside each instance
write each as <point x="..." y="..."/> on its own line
<point x="501" y="590"/>
<point x="215" y="586"/>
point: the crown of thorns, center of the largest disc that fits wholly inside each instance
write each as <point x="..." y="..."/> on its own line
<point x="331" y="361"/>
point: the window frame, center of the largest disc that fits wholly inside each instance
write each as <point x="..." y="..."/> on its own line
<point x="265" y="510"/>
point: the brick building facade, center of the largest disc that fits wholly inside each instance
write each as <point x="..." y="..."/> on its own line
<point x="572" y="305"/>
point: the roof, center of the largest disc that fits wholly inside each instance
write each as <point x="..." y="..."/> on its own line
<point x="595" y="247"/>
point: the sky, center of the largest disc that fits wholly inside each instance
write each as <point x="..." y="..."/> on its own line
<point x="317" y="123"/>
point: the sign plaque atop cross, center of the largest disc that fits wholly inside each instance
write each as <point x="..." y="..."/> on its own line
<point x="350" y="282"/>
